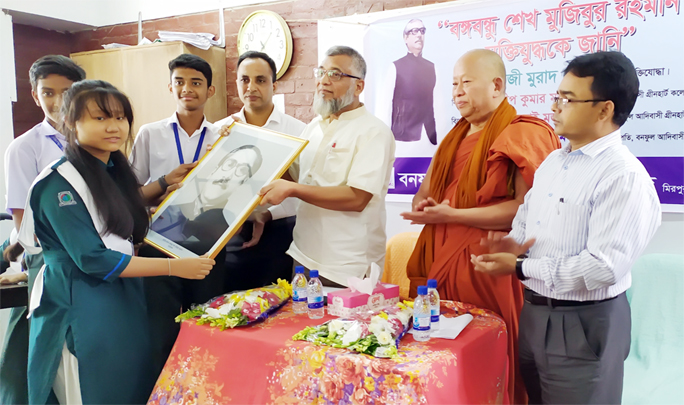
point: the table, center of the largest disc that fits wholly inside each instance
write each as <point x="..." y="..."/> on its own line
<point x="262" y="364"/>
<point x="13" y="295"/>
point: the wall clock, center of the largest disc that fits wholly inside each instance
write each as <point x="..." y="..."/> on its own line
<point x="266" y="31"/>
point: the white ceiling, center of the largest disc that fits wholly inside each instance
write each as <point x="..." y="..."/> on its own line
<point x="76" y="15"/>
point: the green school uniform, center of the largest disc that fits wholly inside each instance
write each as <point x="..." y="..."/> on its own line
<point x="101" y="317"/>
<point x="13" y="358"/>
<point x="14" y="354"/>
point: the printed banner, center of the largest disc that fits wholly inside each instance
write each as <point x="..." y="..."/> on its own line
<point x="667" y="174"/>
<point x="411" y="61"/>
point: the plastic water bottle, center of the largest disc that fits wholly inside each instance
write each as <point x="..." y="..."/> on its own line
<point x="433" y="296"/>
<point x="421" y="315"/>
<point x="299" y="304"/>
<point x="314" y="296"/>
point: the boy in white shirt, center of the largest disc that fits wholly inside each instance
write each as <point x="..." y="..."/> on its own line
<point x="177" y="142"/>
<point x="25" y="158"/>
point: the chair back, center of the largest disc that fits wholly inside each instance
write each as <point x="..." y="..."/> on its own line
<point x="399" y="250"/>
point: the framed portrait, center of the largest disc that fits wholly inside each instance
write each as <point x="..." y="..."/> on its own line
<point x="220" y="193"/>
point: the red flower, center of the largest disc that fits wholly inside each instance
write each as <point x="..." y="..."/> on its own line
<point x="350" y="368"/>
<point x="397" y="326"/>
<point x="251" y="311"/>
<point x="380" y="367"/>
<point x="332" y="387"/>
<point x="361" y="396"/>
<point x="218" y="302"/>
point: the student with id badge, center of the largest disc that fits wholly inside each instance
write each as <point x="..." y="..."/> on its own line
<point x="177" y="142"/>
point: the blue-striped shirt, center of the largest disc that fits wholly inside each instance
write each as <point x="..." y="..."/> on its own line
<point x="592" y="212"/>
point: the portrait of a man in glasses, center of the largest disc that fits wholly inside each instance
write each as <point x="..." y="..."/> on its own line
<point x="199" y="220"/>
<point x="413" y="78"/>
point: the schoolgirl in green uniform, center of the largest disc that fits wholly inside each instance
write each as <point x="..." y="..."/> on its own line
<point x="89" y="338"/>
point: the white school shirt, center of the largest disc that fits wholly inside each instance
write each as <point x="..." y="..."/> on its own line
<point x="592" y="212"/>
<point x="355" y="150"/>
<point x="285" y="124"/>
<point x="155" y="153"/>
<point x="26" y="157"/>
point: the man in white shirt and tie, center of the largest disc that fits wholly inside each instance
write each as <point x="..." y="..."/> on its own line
<point x="256" y="256"/>
<point x="590" y="214"/>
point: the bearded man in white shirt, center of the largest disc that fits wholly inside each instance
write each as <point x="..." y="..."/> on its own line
<point x="590" y="214"/>
<point x="341" y="178"/>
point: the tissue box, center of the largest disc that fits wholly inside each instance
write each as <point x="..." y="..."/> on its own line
<point x="347" y="302"/>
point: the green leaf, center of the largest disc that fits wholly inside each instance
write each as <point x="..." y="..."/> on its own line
<point x="193" y="313"/>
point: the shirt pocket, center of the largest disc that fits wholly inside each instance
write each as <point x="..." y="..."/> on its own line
<point x="569" y="225"/>
<point x="336" y="166"/>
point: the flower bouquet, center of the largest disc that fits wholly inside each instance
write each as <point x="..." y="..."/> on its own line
<point x="375" y="333"/>
<point x="241" y="307"/>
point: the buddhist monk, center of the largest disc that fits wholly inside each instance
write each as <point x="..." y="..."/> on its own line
<point x="475" y="183"/>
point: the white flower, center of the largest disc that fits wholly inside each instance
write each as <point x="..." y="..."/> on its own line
<point x="352" y="335"/>
<point x="384" y="338"/>
<point x="335" y="325"/>
<point x="213" y="313"/>
<point x="380" y="323"/>
<point x="376" y="328"/>
<point x="251" y="298"/>
<point x="226" y="308"/>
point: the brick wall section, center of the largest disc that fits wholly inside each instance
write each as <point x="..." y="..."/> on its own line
<point x="31" y="43"/>
<point x="301" y="15"/>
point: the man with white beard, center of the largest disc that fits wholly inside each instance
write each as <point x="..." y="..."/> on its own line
<point x="341" y="177"/>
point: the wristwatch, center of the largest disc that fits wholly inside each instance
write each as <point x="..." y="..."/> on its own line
<point x="163" y="184"/>
<point x="519" y="269"/>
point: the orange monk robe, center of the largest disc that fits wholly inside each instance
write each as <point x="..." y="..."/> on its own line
<point x="524" y="143"/>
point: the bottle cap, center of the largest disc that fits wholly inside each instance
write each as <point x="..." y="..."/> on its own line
<point x="422" y="290"/>
<point x="313" y="273"/>
<point x="432" y="283"/>
<point x="299" y="270"/>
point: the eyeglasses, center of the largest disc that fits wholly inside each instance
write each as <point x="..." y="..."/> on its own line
<point x="415" y="31"/>
<point x="562" y="101"/>
<point x="333" y="75"/>
<point x="240" y="169"/>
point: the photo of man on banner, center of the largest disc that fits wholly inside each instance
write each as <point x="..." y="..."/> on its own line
<point x="413" y="79"/>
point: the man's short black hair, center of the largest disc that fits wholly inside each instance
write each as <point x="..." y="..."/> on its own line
<point x="259" y="55"/>
<point x="55" y="65"/>
<point x="190" y="61"/>
<point x="615" y="79"/>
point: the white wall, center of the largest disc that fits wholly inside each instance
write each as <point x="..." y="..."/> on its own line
<point x="670" y="235"/>
<point x="100" y="13"/>
<point x="8" y="93"/>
